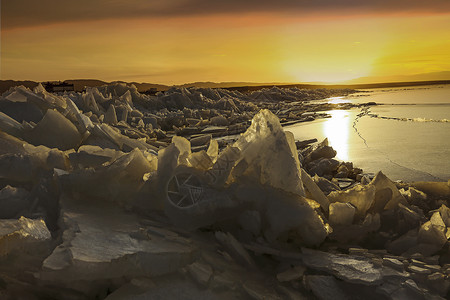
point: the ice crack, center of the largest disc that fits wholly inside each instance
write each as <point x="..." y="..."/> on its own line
<point x="364" y="112"/>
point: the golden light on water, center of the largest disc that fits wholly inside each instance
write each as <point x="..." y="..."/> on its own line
<point x="338" y="100"/>
<point x="337" y="130"/>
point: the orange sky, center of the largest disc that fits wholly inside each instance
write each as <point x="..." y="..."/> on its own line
<point x="233" y="46"/>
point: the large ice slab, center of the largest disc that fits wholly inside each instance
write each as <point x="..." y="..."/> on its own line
<point x="433" y="231"/>
<point x="315" y="191"/>
<point x="387" y="195"/>
<point x="102" y="241"/>
<point x="11" y="126"/>
<point x="341" y="213"/>
<point x="271" y="154"/>
<point x="55" y="131"/>
<point x="361" y="197"/>
<point x="21" y="111"/>
<point x="119" y="180"/>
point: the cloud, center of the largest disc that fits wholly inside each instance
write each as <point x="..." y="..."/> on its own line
<point x="24" y="13"/>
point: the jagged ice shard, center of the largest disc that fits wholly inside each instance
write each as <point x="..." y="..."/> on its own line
<point x="270" y="154"/>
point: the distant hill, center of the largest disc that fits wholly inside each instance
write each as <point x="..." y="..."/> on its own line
<point x="434" y="76"/>
<point x="214" y="85"/>
<point x="80" y="84"/>
<point x="361" y="83"/>
<point x="6" y="84"/>
<point x="342" y="86"/>
<point x="144" y="86"/>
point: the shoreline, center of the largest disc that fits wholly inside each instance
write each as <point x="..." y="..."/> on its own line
<point x="80" y="84"/>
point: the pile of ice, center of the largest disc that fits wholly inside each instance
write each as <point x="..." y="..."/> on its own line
<point x="91" y="209"/>
<point x="276" y="94"/>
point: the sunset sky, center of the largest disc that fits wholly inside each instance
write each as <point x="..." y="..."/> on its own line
<point x="180" y="41"/>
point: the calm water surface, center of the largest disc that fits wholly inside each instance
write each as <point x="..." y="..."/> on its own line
<point x="407" y="137"/>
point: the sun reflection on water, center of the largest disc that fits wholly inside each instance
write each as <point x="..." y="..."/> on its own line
<point x="338" y="100"/>
<point x="336" y="129"/>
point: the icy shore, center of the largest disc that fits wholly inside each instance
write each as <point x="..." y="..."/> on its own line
<point x="111" y="194"/>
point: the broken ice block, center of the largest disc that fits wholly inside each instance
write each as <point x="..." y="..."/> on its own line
<point x="387" y="195"/>
<point x="126" y="97"/>
<point x="102" y="139"/>
<point x="407" y="218"/>
<point x="101" y="241"/>
<point x="92" y="156"/>
<point x="433" y="188"/>
<point x="167" y="162"/>
<point x="219" y="121"/>
<point x="10" y="126"/>
<point x="213" y="150"/>
<point x="287" y="213"/>
<point x="445" y="215"/>
<point x="10" y="144"/>
<point x="184" y="146"/>
<point x="112" y="135"/>
<point x="122" y="112"/>
<point x="221" y="169"/>
<point x="322" y="166"/>
<point x="51" y="100"/>
<point x="315" y="191"/>
<point x="433" y="231"/>
<point x="323" y="150"/>
<point x="360" y="196"/>
<point x="355" y="232"/>
<point x="110" y="116"/>
<point x="325" y="185"/>
<point x="341" y="213"/>
<point x="22" y="235"/>
<point x="15" y="96"/>
<point x="26" y="95"/>
<point x="200" y="160"/>
<point x="55" y="131"/>
<point x="119" y="181"/>
<point x="89" y="101"/>
<point x="21" y="111"/>
<point x="201" y="140"/>
<point x="413" y="195"/>
<point x="133" y="165"/>
<point x="84" y="123"/>
<point x="271" y="154"/>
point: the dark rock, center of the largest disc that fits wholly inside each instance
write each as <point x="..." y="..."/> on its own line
<point x="323" y="151"/>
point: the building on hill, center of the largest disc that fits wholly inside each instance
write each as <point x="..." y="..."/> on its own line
<point x="58" y="86"/>
<point x="150" y="91"/>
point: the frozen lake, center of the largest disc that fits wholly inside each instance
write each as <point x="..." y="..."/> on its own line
<point x="407" y="137"/>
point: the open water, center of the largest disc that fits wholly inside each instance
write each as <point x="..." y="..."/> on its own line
<point x="407" y="136"/>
